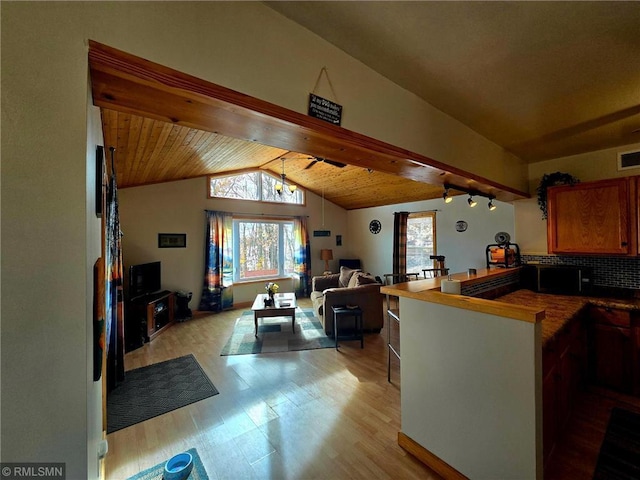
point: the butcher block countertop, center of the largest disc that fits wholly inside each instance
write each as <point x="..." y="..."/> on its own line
<point x="552" y="311"/>
<point x="429" y="291"/>
<point x="560" y="309"/>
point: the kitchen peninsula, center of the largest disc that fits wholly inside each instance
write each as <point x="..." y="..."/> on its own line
<point x="487" y="384"/>
<point x="471" y="374"/>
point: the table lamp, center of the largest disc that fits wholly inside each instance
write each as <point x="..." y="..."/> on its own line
<point x="326" y="255"/>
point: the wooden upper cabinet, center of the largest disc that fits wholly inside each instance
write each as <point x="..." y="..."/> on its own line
<point x="593" y="217"/>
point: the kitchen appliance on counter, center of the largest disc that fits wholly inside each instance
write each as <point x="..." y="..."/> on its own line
<point x="558" y="279"/>
<point x="505" y="255"/>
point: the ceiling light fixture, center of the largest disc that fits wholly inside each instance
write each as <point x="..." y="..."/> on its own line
<point x="280" y="185"/>
<point x="446" y="197"/>
<point x="471" y="192"/>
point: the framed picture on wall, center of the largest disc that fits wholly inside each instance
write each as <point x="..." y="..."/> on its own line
<point x="99" y="179"/>
<point x="172" y="240"/>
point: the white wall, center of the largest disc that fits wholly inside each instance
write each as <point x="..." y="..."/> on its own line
<point x="50" y="241"/>
<point x="94" y="251"/>
<point x="599" y="165"/>
<point x="178" y="207"/>
<point x="462" y="250"/>
<point x="472" y="389"/>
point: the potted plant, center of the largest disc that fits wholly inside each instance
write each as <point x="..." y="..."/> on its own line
<point x="272" y="289"/>
<point x="551" y="180"/>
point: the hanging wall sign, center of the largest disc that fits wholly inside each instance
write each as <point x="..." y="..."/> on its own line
<point x="325" y="109"/>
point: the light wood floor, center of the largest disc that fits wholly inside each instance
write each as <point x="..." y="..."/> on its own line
<point x="316" y="414"/>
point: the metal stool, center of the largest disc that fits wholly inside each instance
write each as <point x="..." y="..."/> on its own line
<point x="342" y="312"/>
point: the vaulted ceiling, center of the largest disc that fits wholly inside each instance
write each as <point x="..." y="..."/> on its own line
<point x="541" y="79"/>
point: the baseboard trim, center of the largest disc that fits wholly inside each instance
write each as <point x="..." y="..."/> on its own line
<point x="439" y="466"/>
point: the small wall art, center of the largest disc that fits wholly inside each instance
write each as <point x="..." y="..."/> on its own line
<point x="172" y="240"/>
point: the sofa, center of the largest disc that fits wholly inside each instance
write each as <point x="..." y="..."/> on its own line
<point x="349" y="287"/>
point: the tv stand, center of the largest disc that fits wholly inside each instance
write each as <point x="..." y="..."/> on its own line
<point x="154" y="313"/>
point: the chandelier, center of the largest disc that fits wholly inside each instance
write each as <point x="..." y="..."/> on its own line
<point x="281" y="185"/>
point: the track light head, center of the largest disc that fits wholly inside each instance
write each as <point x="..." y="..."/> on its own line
<point x="472" y="192"/>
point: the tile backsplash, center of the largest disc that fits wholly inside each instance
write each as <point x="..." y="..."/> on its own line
<point x="477" y="289"/>
<point x="619" y="272"/>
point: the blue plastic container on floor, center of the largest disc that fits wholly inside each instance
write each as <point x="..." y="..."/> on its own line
<point x="178" y="467"/>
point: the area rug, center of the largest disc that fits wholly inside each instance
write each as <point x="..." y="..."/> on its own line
<point x="157" y="389"/>
<point x="155" y="473"/>
<point x="619" y="456"/>
<point x="275" y="335"/>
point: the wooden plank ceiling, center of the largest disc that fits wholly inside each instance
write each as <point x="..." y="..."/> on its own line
<point x="169" y="126"/>
<point x="151" y="151"/>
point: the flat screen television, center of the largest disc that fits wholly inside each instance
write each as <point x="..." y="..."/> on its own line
<point x="144" y="279"/>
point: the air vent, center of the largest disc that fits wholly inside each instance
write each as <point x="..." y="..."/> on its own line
<point x="628" y="160"/>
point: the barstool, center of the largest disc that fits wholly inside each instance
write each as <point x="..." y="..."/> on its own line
<point x="439" y="268"/>
<point x="393" y="314"/>
<point x="340" y="312"/>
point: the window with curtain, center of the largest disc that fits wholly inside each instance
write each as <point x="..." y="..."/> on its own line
<point x="420" y="241"/>
<point x="262" y="249"/>
<point x="245" y="249"/>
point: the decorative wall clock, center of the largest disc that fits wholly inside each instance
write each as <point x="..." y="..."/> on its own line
<point x="375" y="226"/>
<point x="502" y="238"/>
<point x="461" y="226"/>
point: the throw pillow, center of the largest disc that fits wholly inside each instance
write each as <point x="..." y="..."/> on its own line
<point x="364" y="279"/>
<point x="353" y="280"/>
<point x="345" y="276"/>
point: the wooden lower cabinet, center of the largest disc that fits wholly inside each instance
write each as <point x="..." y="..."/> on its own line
<point x="613" y="349"/>
<point x="600" y="345"/>
<point x="612" y="357"/>
<point x="563" y="367"/>
<point x="549" y="423"/>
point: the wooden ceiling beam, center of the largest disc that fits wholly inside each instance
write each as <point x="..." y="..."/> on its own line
<point x="126" y="83"/>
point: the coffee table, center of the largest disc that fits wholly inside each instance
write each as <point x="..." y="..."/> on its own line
<point x="284" y="305"/>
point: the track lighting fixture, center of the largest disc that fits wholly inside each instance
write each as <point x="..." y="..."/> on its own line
<point x="469" y="191"/>
<point x="280" y="185"/>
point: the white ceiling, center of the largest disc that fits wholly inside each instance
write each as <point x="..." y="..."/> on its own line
<point x="542" y="79"/>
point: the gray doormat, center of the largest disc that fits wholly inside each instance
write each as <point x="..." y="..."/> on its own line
<point x="157" y="389"/>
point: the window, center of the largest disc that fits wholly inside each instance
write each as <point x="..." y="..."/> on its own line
<point x="262" y="249"/>
<point x="421" y="240"/>
<point x="255" y="186"/>
<point x="244" y="187"/>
